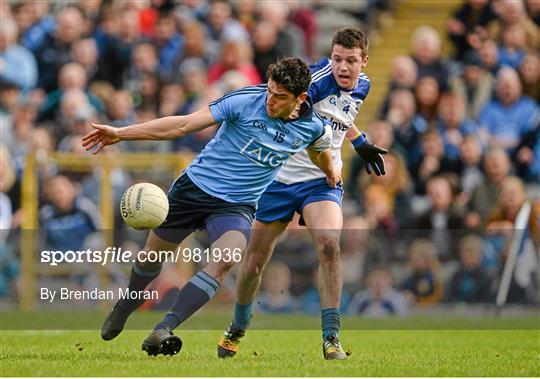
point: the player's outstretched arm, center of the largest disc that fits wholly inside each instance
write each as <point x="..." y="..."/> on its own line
<point x="159" y="129"/>
<point x="370" y="153"/>
<point x="324" y="161"/>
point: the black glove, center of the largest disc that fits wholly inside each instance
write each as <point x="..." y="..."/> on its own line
<point x="371" y="154"/>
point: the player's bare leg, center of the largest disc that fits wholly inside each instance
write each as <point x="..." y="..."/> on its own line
<point x="142" y="274"/>
<point x="326" y="232"/>
<point x="195" y="294"/>
<point x="261" y="245"/>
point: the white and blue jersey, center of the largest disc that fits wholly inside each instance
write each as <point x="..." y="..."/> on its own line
<point x="335" y="104"/>
<point x="300" y="182"/>
<point x="243" y="158"/>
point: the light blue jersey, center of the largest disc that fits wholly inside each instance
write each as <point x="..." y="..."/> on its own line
<point x="242" y="159"/>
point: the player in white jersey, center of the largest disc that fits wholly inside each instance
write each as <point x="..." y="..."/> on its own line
<point x="338" y="88"/>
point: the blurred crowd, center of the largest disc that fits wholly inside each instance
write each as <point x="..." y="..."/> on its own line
<point x="463" y="134"/>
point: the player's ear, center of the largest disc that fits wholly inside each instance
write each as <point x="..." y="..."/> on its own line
<point x="302" y="97"/>
<point x="365" y="61"/>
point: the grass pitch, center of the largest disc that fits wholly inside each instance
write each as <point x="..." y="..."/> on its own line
<point x="380" y="352"/>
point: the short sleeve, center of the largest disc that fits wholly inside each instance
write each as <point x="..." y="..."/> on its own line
<point x="229" y="107"/>
<point x="324" y="140"/>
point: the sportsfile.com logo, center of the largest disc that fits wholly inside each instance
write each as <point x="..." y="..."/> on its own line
<point x="261" y="155"/>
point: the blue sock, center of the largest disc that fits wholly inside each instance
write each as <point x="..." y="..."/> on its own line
<point x="138" y="280"/>
<point x="241" y="316"/>
<point x="330" y="322"/>
<point x="193" y="296"/>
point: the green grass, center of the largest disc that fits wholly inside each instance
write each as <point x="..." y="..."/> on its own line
<point x="397" y="352"/>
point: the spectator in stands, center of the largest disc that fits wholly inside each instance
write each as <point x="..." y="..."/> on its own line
<point x="489" y="55"/>
<point x="496" y="167"/>
<point x="533" y="10"/>
<point x="34" y="22"/>
<point x="423" y="286"/>
<point x="407" y="124"/>
<point x="503" y="215"/>
<point x="500" y="227"/>
<point x="403" y="76"/>
<point x="396" y="183"/>
<point x="147" y="92"/>
<point x="452" y="123"/>
<point x="116" y="48"/>
<point x="86" y="54"/>
<point x="305" y="19"/>
<point x="171" y="99"/>
<point x="432" y="161"/>
<point x="443" y="221"/>
<point x="72" y="76"/>
<point x="17" y="64"/>
<point x="195" y="46"/>
<point x="9" y="266"/>
<point x="474" y="85"/>
<point x="120" y="109"/>
<point x="235" y="55"/>
<point x="427" y="97"/>
<point x="68" y="219"/>
<point x="470" y="283"/>
<point x="289" y="36"/>
<point x="529" y="73"/>
<point x="265" y="48"/>
<point x="246" y="13"/>
<point x="509" y="115"/>
<point x="471" y="175"/>
<point x="17" y="138"/>
<point x="426" y="52"/>
<point x="512" y="48"/>
<point x="144" y="60"/>
<point x="380" y="214"/>
<point x="275" y="295"/>
<point x="56" y="48"/>
<point x="169" y="43"/>
<point x="509" y="13"/>
<point x="527" y="156"/>
<point x="380" y="298"/>
<point x="467" y="24"/>
<point x="222" y="27"/>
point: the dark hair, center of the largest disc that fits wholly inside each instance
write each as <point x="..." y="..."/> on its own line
<point x="351" y="38"/>
<point x="291" y="73"/>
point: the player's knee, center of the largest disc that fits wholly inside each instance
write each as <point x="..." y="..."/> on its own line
<point x="328" y="247"/>
<point x="220" y="268"/>
<point x="254" y="267"/>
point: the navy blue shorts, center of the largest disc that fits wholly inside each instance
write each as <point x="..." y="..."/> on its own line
<point x="190" y="209"/>
<point x="280" y="201"/>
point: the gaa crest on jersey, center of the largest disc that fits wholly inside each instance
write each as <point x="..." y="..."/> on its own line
<point x="297" y="143"/>
<point x="260" y="125"/>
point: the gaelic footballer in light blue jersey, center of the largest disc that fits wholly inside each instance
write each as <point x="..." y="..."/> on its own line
<point x="255" y="145"/>
<point x="260" y="128"/>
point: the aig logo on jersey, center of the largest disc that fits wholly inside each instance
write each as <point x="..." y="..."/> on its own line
<point x="261" y="155"/>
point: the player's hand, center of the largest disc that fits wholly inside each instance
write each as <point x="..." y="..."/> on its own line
<point x="101" y="136"/>
<point x="372" y="156"/>
<point x="334" y="178"/>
